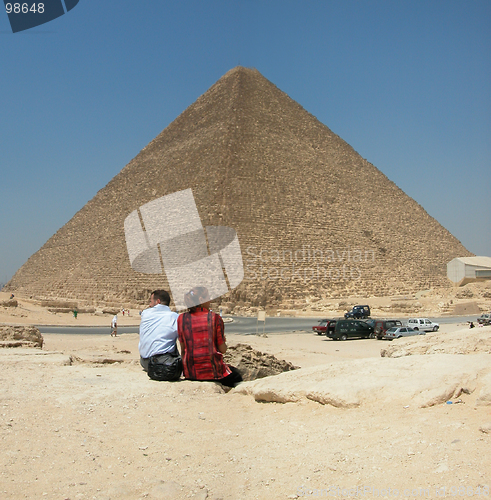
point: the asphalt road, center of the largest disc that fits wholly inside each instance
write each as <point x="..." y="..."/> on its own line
<point x="240" y="326"/>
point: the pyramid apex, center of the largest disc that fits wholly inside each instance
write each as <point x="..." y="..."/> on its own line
<point x="241" y="70"/>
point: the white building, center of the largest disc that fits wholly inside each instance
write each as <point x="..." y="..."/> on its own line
<point x="463" y="270"/>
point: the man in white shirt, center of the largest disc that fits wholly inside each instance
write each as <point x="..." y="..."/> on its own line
<point x="158" y="328"/>
<point x="114" y="326"/>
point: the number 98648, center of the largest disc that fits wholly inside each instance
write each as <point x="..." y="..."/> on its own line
<point x="24" y="8"/>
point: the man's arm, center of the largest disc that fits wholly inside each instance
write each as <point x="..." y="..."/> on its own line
<point x="220" y="340"/>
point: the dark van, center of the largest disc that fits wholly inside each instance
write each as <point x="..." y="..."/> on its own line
<point x="346" y="328"/>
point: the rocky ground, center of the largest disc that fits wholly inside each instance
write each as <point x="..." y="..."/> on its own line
<point x="81" y="420"/>
<point x="471" y="299"/>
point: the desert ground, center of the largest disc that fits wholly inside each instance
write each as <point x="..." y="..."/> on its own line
<point x="361" y="418"/>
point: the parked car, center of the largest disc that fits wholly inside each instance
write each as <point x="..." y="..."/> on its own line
<point x="423" y="324"/>
<point x="324" y="325"/>
<point x="321" y="327"/>
<point x="380" y="326"/>
<point x="397" y="332"/>
<point x="346" y="328"/>
<point x="484" y="319"/>
<point x="358" y="312"/>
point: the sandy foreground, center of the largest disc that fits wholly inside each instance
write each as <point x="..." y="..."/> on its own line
<point x="81" y="420"/>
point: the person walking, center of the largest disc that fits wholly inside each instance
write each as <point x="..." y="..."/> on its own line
<point x="114" y="326"/>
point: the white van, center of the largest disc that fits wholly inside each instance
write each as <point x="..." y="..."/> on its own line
<point x="423" y="324"/>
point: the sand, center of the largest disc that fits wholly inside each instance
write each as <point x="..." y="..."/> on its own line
<point x="81" y="420"/>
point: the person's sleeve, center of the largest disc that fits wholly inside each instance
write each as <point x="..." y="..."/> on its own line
<point x="175" y="325"/>
<point x="220" y="329"/>
<point x="179" y="329"/>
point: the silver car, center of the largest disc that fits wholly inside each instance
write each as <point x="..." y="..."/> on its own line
<point x="397" y="332"/>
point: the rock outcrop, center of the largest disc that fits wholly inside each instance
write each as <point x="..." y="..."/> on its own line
<point x="20" y="336"/>
<point x="9" y="303"/>
<point x="467" y="341"/>
<point x="416" y="381"/>
<point x="254" y="364"/>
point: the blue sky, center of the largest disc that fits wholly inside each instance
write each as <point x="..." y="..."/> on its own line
<point x="405" y="83"/>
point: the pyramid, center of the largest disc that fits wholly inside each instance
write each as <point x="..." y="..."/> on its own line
<point x="313" y="218"/>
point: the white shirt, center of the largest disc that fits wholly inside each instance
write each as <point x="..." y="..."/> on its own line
<point x="158" y="331"/>
<point x="114" y="321"/>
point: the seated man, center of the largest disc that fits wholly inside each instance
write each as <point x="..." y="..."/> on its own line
<point x="158" y="328"/>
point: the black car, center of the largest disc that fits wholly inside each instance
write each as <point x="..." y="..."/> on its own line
<point x="358" y="312"/>
<point x="346" y="328"/>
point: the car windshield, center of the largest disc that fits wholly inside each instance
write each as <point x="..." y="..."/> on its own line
<point x="323" y="322"/>
<point x="392" y="330"/>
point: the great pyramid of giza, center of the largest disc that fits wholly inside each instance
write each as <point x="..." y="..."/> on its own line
<point x="313" y="217"/>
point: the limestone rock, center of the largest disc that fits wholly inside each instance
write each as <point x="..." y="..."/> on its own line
<point x="412" y="380"/>
<point x="466" y="341"/>
<point x="20" y="336"/>
<point x="108" y="310"/>
<point x="484" y="397"/>
<point x="9" y="303"/>
<point x="254" y="364"/>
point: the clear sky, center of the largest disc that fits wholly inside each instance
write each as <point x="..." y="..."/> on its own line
<point x="406" y="83"/>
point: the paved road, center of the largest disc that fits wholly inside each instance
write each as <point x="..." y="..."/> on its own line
<point x="241" y="326"/>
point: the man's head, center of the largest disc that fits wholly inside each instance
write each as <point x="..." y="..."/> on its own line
<point x="159" y="297"/>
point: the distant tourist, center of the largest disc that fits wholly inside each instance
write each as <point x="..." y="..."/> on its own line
<point x="75" y="313"/>
<point x="12" y="296"/>
<point x="158" y="333"/>
<point x="202" y="341"/>
<point x="114" y="326"/>
<point x="471" y="324"/>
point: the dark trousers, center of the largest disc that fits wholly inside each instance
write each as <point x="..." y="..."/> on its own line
<point x="231" y="380"/>
<point x="144" y="361"/>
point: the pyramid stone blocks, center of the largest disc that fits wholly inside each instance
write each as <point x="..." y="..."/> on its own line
<point x="313" y="218"/>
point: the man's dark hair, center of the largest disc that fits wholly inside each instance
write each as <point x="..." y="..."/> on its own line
<point x="163" y="296"/>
